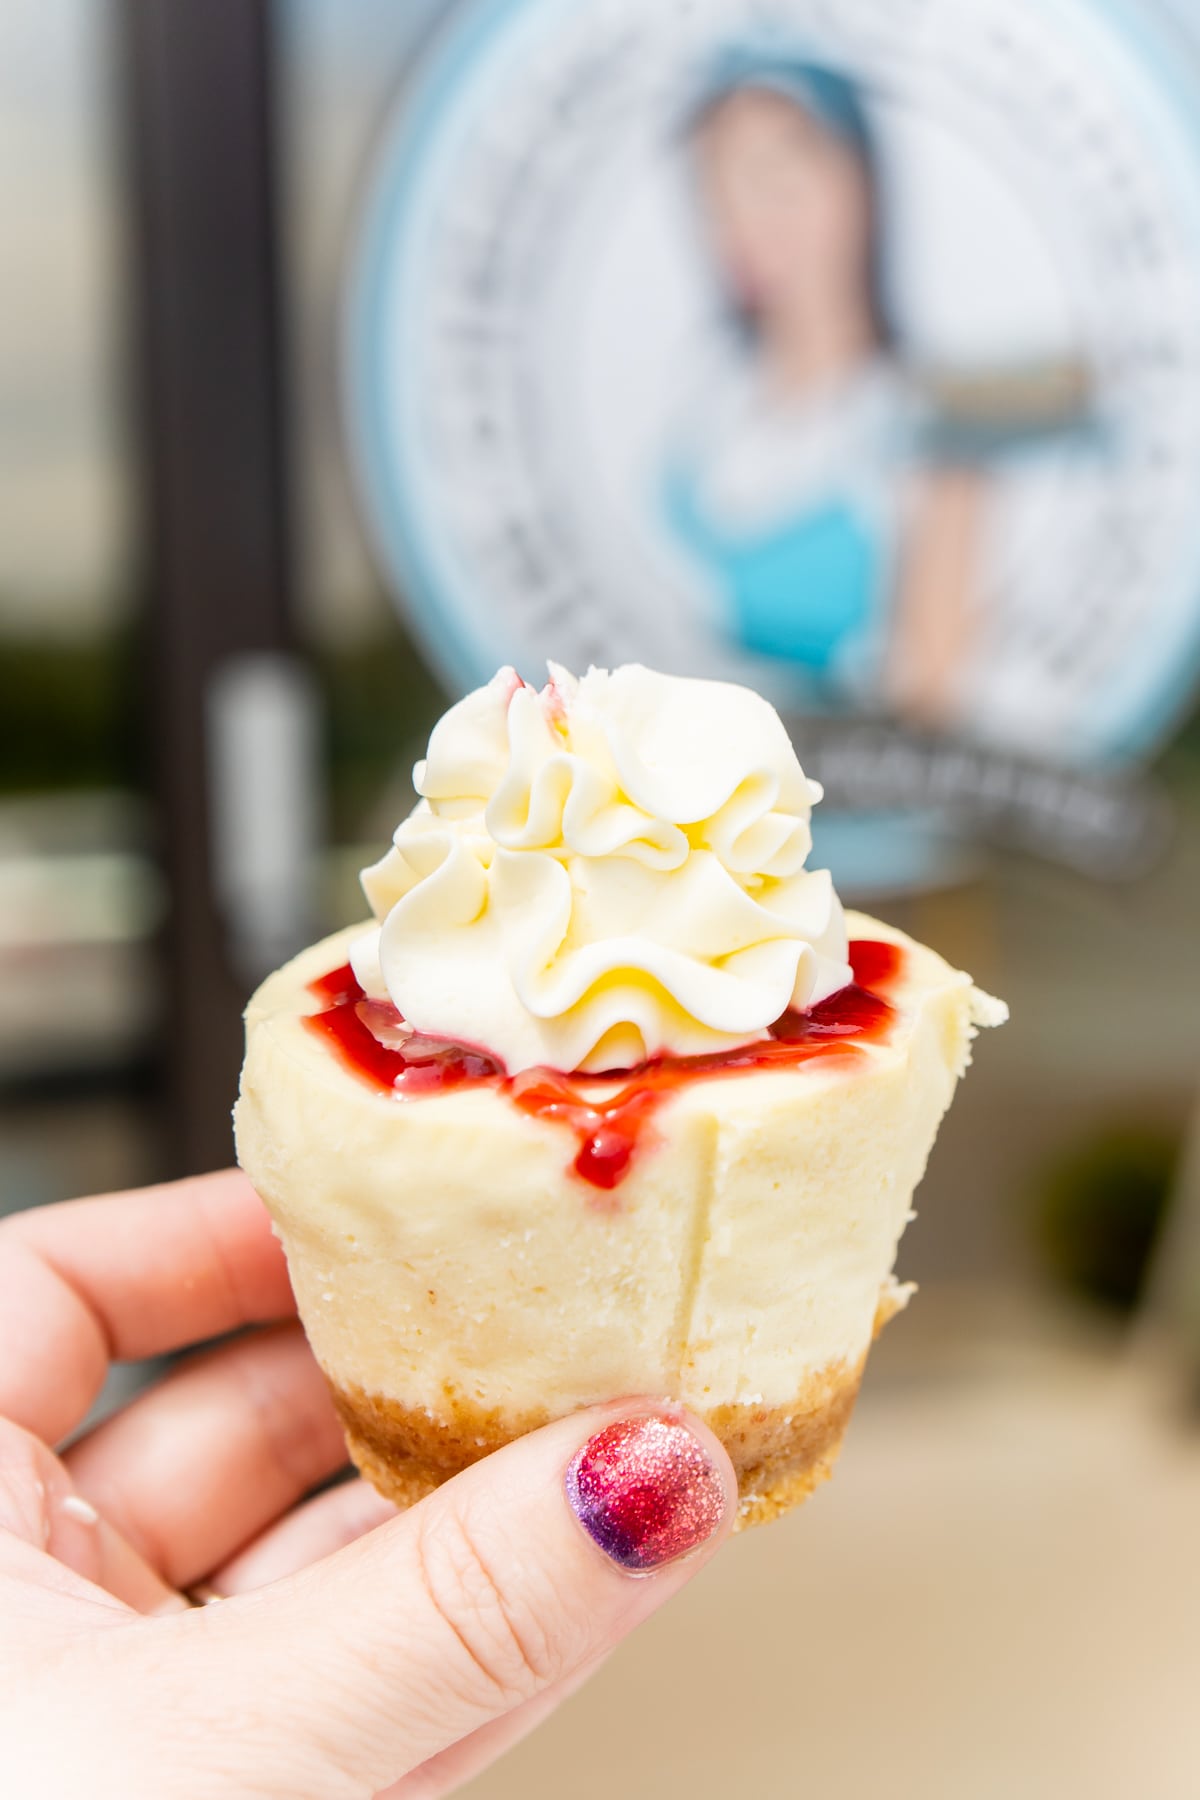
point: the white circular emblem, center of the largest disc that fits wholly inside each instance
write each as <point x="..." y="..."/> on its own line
<point x="847" y="347"/>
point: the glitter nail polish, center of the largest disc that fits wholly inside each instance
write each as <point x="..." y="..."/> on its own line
<point x="646" y="1491"/>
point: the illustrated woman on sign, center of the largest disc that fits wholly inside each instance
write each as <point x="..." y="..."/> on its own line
<point x="835" y="542"/>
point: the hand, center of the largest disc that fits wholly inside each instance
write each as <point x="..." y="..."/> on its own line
<point x="359" y="1652"/>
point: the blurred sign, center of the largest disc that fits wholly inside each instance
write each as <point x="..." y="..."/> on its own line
<point x="848" y="349"/>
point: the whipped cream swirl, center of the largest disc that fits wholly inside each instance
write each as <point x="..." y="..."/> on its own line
<point x="602" y="872"/>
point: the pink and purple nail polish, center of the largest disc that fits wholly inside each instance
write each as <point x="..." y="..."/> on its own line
<point x="646" y="1491"/>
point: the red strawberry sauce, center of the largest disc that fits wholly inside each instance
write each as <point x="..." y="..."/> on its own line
<point x="609" y="1114"/>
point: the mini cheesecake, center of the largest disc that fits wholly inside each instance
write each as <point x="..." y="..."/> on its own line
<point x="476" y="1252"/>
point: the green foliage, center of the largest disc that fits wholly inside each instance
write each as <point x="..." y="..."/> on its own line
<point x="71" y="717"/>
<point x="69" y="714"/>
<point x="381" y="703"/>
<point x="1099" y="1208"/>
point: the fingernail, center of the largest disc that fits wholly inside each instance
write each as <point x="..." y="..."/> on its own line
<point x="646" y="1491"/>
<point x="76" y="1507"/>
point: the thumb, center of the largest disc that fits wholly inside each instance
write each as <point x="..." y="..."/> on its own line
<point x="496" y="1588"/>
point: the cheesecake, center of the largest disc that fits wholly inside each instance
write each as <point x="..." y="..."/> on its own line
<point x="610" y="1097"/>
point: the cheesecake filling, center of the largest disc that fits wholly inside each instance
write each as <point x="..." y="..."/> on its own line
<point x="460" y="1283"/>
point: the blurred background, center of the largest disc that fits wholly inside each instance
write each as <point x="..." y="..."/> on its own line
<point x="238" y="501"/>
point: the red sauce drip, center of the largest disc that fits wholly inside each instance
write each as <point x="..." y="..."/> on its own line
<point x="874" y="962"/>
<point x="609" y="1114"/>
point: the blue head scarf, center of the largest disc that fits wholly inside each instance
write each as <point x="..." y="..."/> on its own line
<point x="832" y="100"/>
<point x="829" y="97"/>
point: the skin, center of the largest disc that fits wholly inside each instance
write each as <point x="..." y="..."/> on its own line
<point x="360" y="1652"/>
<point x="932" y="635"/>
<point x="791" y="214"/>
<point x="790" y="209"/>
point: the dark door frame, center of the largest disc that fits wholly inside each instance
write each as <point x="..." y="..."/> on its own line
<point x="208" y="350"/>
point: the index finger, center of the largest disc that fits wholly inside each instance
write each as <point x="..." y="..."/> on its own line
<point x="122" y="1276"/>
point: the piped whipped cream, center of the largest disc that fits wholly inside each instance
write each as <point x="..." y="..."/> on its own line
<point x="604" y="871"/>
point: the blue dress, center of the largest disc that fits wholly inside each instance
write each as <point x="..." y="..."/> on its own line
<point x="793" y="511"/>
<point x="802" y="589"/>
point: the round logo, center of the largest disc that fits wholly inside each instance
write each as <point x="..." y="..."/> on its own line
<point x="850" y="348"/>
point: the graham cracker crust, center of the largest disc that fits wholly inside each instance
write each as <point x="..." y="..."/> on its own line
<point x="780" y="1453"/>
